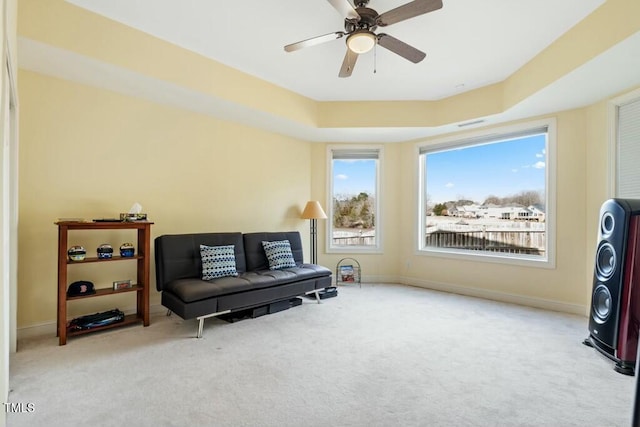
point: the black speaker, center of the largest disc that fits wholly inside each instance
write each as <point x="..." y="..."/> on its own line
<point x="615" y="306"/>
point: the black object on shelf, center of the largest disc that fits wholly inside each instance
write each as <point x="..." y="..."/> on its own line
<point x="91" y="321"/>
<point x="80" y="288"/>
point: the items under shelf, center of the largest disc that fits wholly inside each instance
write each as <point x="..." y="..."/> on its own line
<point x="129" y="319"/>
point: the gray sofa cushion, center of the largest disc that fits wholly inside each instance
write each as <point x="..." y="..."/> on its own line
<point x="195" y="289"/>
<point x="180" y="254"/>
<point x="254" y="252"/>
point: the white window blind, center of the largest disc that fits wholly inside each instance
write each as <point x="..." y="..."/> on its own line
<point x="484" y="139"/>
<point x="628" y="159"/>
<point x="355" y="154"/>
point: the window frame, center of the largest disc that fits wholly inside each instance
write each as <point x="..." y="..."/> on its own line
<point x="460" y="140"/>
<point x="372" y="249"/>
<point x="613" y="119"/>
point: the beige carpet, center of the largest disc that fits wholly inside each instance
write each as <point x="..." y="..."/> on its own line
<point x="380" y="355"/>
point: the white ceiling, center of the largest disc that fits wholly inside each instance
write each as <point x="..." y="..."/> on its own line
<point x="469" y="44"/>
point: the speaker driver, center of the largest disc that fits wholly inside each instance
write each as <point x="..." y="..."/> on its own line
<point x="607" y="224"/>
<point x="601" y="303"/>
<point x="605" y="261"/>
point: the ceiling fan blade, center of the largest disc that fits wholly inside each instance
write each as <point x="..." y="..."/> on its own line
<point x="406" y="11"/>
<point x="401" y="48"/>
<point x="345" y="9"/>
<point x="313" y="41"/>
<point x="348" y="63"/>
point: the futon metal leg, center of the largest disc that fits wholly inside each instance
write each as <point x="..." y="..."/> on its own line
<point x="201" y="320"/>
<point x="318" y="297"/>
<point x="200" y="326"/>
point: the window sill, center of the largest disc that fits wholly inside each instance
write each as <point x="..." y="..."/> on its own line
<point x="355" y="250"/>
<point x="497" y="258"/>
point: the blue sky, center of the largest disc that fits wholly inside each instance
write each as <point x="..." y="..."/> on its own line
<point x="351" y="177"/>
<point x="500" y="169"/>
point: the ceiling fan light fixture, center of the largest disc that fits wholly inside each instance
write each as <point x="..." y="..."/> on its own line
<point x="361" y="41"/>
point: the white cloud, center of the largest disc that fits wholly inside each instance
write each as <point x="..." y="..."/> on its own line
<point x="449" y="185"/>
<point x="514" y="170"/>
<point x="538" y="165"/>
<point x="541" y="154"/>
<point x="342" y="176"/>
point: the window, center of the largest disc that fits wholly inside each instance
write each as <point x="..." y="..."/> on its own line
<point x="489" y="195"/>
<point x="628" y="149"/>
<point x="354" y="205"/>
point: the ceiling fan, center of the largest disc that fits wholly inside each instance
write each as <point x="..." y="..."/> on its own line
<point x="361" y="22"/>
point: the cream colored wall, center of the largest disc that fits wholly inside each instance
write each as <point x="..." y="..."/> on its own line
<point x="380" y="266"/>
<point x="111" y="42"/>
<point x="597" y="181"/>
<point x="70" y="130"/>
<point x="564" y="287"/>
<point x="114" y="43"/>
<point x="564" y="284"/>
<point x="582" y="175"/>
<point x="87" y="152"/>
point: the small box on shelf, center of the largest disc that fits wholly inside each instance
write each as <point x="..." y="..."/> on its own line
<point x="122" y="284"/>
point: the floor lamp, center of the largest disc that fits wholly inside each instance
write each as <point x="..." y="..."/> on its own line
<point x="314" y="212"/>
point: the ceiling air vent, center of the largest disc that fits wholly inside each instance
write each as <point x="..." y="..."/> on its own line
<point x="474" y="122"/>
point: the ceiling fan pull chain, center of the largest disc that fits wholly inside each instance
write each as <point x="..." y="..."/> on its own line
<point x="375" y="57"/>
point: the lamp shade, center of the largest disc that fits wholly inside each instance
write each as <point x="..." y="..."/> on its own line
<point x="361" y="41"/>
<point x="313" y="210"/>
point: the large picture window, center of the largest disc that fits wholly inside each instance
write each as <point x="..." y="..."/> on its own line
<point x="489" y="195"/>
<point x="627" y="177"/>
<point x="354" y="199"/>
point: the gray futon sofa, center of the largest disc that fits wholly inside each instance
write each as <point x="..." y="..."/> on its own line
<point x="184" y="292"/>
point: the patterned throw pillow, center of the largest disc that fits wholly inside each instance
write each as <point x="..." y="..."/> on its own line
<point x="218" y="261"/>
<point x="279" y="254"/>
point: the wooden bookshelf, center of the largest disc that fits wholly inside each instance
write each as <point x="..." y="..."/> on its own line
<point x="140" y="288"/>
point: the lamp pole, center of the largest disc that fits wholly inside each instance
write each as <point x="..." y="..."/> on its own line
<point x="314" y="240"/>
<point x="313" y="211"/>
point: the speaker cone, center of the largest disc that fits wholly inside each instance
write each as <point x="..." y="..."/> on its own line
<point x="601" y="303"/>
<point x="605" y="261"/>
<point x="607" y="224"/>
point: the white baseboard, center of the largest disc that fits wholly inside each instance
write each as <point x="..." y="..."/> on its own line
<point x="376" y="279"/>
<point x="545" y="304"/>
<point x="49" y="328"/>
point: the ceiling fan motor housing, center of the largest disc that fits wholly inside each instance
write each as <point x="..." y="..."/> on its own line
<point x="367" y="20"/>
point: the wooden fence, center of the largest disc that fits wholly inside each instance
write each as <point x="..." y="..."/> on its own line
<point x="354" y="241"/>
<point x="532" y="242"/>
<point x="511" y="241"/>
